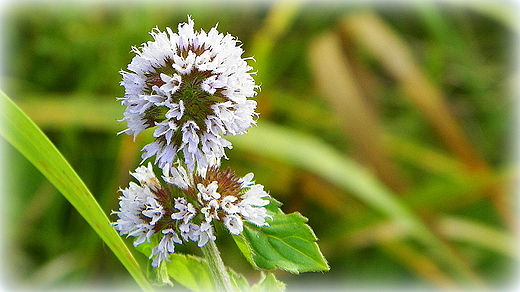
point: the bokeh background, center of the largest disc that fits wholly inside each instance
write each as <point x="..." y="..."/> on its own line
<point x="412" y="101"/>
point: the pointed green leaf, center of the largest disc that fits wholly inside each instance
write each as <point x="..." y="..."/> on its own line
<point x="287" y="243"/>
<point x="238" y="281"/>
<point x="268" y="284"/>
<point x="194" y="273"/>
<point x="190" y="271"/>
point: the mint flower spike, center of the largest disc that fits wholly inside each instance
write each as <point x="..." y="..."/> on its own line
<point x="150" y="209"/>
<point x="194" y="87"/>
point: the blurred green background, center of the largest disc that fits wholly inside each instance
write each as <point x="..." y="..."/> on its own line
<point x="416" y="96"/>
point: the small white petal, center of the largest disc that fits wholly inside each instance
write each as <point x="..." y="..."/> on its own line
<point x="234" y="224"/>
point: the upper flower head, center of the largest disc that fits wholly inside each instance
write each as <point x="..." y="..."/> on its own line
<point x="194" y="88"/>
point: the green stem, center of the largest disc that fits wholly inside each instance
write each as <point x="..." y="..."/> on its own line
<point x="216" y="265"/>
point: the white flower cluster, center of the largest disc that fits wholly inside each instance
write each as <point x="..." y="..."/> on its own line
<point x="194" y="88"/>
<point x="148" y="208"/>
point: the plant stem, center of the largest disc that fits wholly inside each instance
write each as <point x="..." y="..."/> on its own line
<point x="216" y="265"/>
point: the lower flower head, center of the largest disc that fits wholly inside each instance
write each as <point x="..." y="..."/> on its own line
<point x="194" y="88"/>
<point x="186" y="207"/>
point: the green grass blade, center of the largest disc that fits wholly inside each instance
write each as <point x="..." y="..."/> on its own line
<point x="479" y="234"/>
<point x="27" y="138"/>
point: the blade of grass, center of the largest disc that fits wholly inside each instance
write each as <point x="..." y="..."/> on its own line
<point x="100" y="115"/>
<point x="485" y="236"/>
<point x="280" y="17"/>
<point x="339" y="86"/>
<point x="370" y="31"/>
<point x="390" y="236"/>
<point x="503" y="12"/>
<point x="420" y="264"/>
<point x="315" y="156"/>
<point x="450" y="40"/>
<point x="457" y="188"/>
<point x="427" y="158"/>
<point x="27" y="138"/>
<point x="455" y="228"/>
<point x="392" y="52"/>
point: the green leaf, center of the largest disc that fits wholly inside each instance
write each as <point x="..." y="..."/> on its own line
<point x="287" y="243"/>
<point x="268" y="284"/>
<point x="194" y="273"/>
<point x="190" y="271"/>
<point x="238" y="281"/>
<point x="27" y="138"/>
